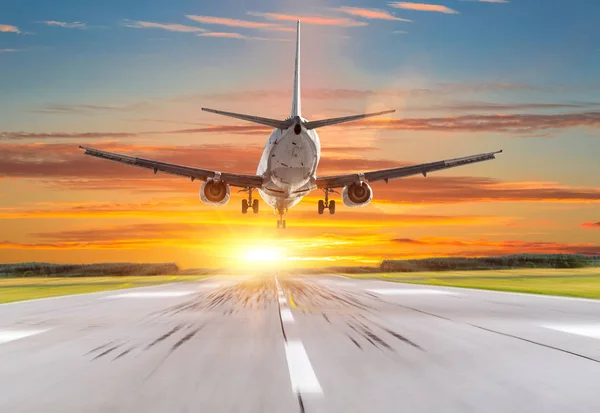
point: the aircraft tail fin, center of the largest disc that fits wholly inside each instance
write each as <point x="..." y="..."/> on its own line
<point x="296" y="105"/>
<point x="274" y="123"/>
<point x="333" y="121"/>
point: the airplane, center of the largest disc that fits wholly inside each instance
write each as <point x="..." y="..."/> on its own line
<point x="287" y="170"/>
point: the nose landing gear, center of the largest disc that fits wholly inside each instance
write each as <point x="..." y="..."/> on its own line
<point x="249" y="203"/>
<point x="281" y="221"/>
<point x="326" y="204"/>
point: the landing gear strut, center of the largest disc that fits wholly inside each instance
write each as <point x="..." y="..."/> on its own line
<point x="326" y="204"/>
<point x="281" y="221"/>
<point x="249" y="203"/>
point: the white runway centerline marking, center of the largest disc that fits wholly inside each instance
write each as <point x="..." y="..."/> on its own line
<point x="10" y="335"/>
<point x="156" y="294"/>
<point x="411" y="291"/>
<point x="282" y="300"/>
<point x="302" y="376"/>
<point x="587" y="330"/>
<point x="286" y="315"/>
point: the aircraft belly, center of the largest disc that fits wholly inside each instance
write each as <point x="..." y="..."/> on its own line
<point x="277" y="200"/>
<point x="289" y="163"/>
<point x="292" y="161"/>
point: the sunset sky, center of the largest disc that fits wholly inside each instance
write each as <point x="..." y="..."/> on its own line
<point x="465" y="77"/>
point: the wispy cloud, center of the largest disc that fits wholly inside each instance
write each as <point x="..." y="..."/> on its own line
<point x="138" y="24"/>
<point x="434" y="90"/>
<point x="595" y="225"/>
<point x="9" y="50"/>
<point x="232" y="35"/>
<point x="513" y="123"/>
<point x="7" y="28"/>
<point x="65" y="25"/>
<point x="497" y="107"/>
<point x="423" y="7"/>
<point x="87" y="109"/>
<point x="237" y="23"/>
<point x="488" y="1"/>
<point x="518" y="124"/>
<point x="371" y="13"/>
<point x="316" y="20"/>
<point x="223" y="34"/>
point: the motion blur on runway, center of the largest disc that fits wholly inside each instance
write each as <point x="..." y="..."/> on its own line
<point x="300" y="344"/>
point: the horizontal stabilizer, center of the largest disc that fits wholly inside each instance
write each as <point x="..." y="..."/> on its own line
<point x="274" y="123"/>
<point x="333" y="121"/>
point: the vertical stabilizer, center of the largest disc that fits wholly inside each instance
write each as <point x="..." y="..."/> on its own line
<point x="296" y="106"/>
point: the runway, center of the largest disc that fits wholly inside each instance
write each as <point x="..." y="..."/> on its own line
<point x="300" y="344"/>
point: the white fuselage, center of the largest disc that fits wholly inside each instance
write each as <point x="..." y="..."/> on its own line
<point x="288" y="165"/>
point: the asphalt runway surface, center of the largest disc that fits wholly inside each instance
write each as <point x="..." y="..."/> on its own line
<point x="300" y="344"/>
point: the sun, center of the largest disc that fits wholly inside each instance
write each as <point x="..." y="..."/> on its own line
<point x="263" y="254"/>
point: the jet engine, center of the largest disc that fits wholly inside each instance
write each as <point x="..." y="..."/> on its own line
<point x="357" y="195"/>
<point x="215" y="193"/>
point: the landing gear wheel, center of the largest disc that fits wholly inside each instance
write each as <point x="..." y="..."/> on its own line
<point x="244" y="206"/>
<point x="321" y="207"/>
<point x="332" y="207"/>
<point x="255" y="206"/>
<point x="283" y="224"/>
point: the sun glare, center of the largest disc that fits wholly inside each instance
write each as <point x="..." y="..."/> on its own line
<point x="263" y="254"/>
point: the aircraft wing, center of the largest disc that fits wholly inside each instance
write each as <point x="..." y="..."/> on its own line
<point x="339" y="181"/>
<point x="238" y="180"/>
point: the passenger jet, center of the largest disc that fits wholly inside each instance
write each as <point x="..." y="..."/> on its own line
<point x="287" y="170"/>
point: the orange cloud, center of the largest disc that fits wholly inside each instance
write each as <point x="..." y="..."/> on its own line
<point x="423" y="7"/>
<point x="317" y="20"/>
<point x="169" y="26"/>
<point x="7" y="28"/>
<point x="64" y="165"/>
<point x="595" y="225"/>
<point x="371" y="13"/>
<point x="186" y="211"/>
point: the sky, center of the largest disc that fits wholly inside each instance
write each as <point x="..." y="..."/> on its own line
<point x="465" y="77"/>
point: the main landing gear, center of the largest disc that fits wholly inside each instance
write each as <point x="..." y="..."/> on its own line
<point x="249" y="203"/>
<point x="281" y="221"/>
<point x="326" y="204"/>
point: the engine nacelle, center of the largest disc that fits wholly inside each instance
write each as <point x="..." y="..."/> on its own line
<point x="357" y="195"/>
<point x="215" y="193"/>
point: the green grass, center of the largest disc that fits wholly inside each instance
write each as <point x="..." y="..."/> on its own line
<point x="19" y="289"/>
<point x="569" y="287"/>
<point x="583" y="282"/>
